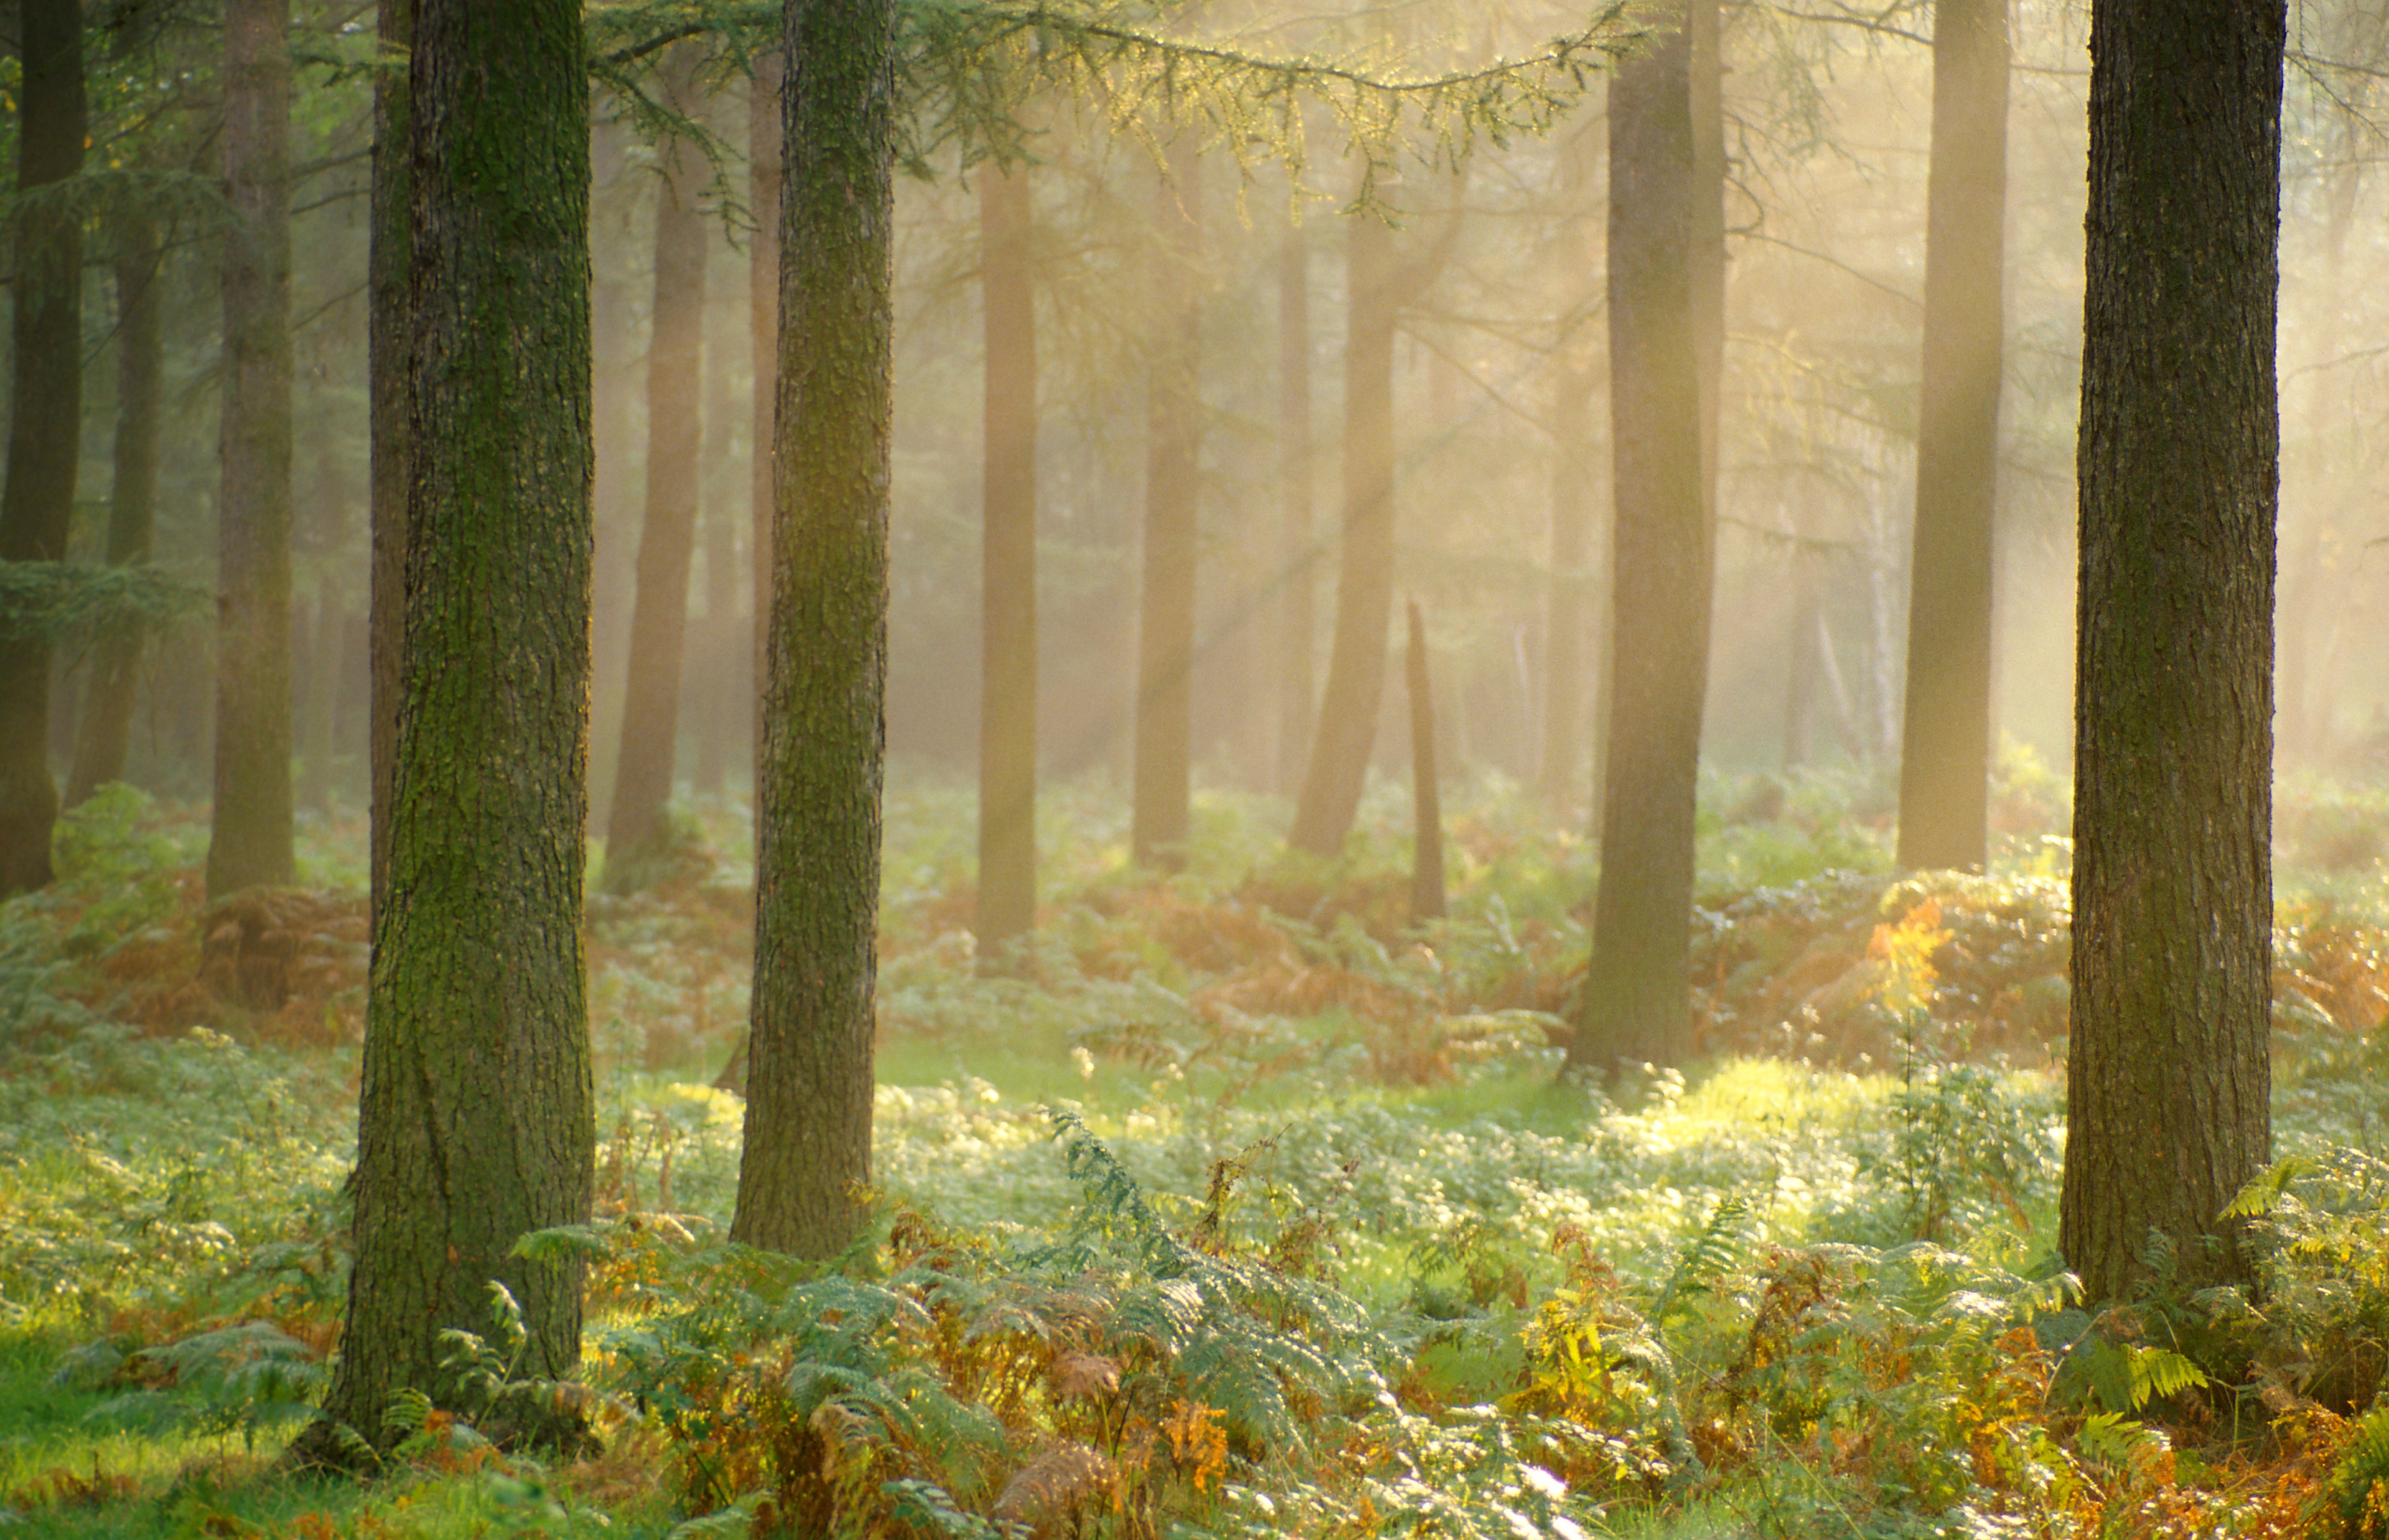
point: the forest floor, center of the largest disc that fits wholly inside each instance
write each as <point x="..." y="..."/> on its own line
<point x="1243" y="1207"/>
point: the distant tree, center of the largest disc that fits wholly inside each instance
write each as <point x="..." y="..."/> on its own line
<point x="1008" y="729"/>
<point x="764" y="102"/>
<point x="1426" y="795"/>
<point x="2168" y="1084"/>
<point x="1636" y="1004"/>
<point x="46" y="415"/>
<point x="477" y="1048"/>
<point x="250" y="834"/>
<point x="638" y="827"/>
<point x="818" y="800"/>
<point x="1946" y="743"/>
<point x="1297" y="608"/>
<point x="1568" y="605"/>
<point x="388" y="324"/>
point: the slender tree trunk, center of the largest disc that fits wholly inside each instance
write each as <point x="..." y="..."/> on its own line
<point x="1165" y="658"/>
<point x="477" y="1048"/>
<point x="389" y="327"/>
<point x="765" y="109"/>
<point x="1567" y="620"/>
<point x="1426" y="799"/>
<point x="615" y="185"/>
<point x="325" y="630"/>
<point x="1945" y="749"/>
<point x="1801" y="664"/>
<point x="715" y="675"/>
<point x="2168" y="1084"/>
<point x="1008" y="729"/>
<point x="45" y="422"/>
<point x="249" y="843"/>
<point x="104" y="736"/>
<point x="1297" y="619"/>
<point x="1707" y="70"/>
<point x="824" y="728"/>
<point x="1636" y="1004"/>
<point x="639" y="827"/>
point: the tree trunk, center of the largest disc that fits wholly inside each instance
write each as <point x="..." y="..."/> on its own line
<point x="249" y="843"/>
<point x="825" y="726"/>
<point x="104" y="736"/>
<point x="1706" y="72"/>
<point x="325" y="629"/>
<point x="1567" y="620"/>
<point x="1297" y="620"/>
<point x="44" y="421"/>
<point x="639" y="829"/>
<point x="1007" y="723"/>
<point x="1165" y="656"/>
<point x="1946" y="750"/>
<point x="1426" y="799"/>
<point x="715" y="675"/>
<point x="615" y="183"/>
<point x="389" y="324"/>
<point x="2168" y="1085"/>
<point x="1636" y="1004"/>
<point x="765" y="108"/>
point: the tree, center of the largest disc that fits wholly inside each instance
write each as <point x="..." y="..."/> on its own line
<point x="1007" y="723"/>
<point x="1946" y="748"/>
<point x="763" y="117"/>
<point x="1426" y="795"/>
<point x="1165" y="654"/>
<point x="44" y="416"/>
<point x="103" y="733"/>
<point x="2168" y="1084"/>
<point x="1568" y="604"/>
<point x="387" y="321"/>
<point x="1636" y="1004"/>
<point x="477" y="1048"/>
<point x="249" y="842"/>
<point x="638" y="827"/>
<point x="825" y="736"/>
<point x="1298" y="621"/>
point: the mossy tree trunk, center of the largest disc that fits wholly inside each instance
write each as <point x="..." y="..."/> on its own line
<point x="104" y="732"/>
<point x="1297" y="617"/>
<point x="249" y="843"/>
<point x="1165" y="654"/>
<point x="1007" y="723"/>
<point x="825" y="726"/>
<point x="2168" y="1083"/>
<point x="387" y="327"/>
<point x="1636" y="1002"/>
<point x="477" y="1121"/>
<point x="1945" y="735"/>
<point x="46" y="418"/>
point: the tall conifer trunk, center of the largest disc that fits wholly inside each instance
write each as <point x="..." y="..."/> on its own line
<point x="1007" y="724"/>
<point x="1298" y="621"/>
<point x="44" y="421"/>
<point x="1165" y="655"/>
<point x="1636" y="1004"/>
<point x="2168" y="1082"/>
<point x="250" y="837"/>
<point x="1946" y="737"/>
<point x="104" y="734"/>
<point x="825" y="723"/>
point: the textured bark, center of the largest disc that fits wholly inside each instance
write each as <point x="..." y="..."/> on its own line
<point x="1426" y="795"/>
<point x="249" y="841"/>
<point x="1165" y="653"/>
<point x="45" y="422"/>
<point x="639" y="829"/>
<point x="1946" y="740"/>
<point x="103" y="733"/>
<point x="1297" y="617"/>
<point x="824" y="727"/>
<point x="388" y="324"/>
<point x="765" y="106"/>
<point x="1635" y="1004"/>
<point x="2168" y="1084"/>
<point x="1007" y="721"/>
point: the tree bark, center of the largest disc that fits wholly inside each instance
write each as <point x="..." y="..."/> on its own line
<point x="1636" y="1004"/>
<point x="639" y="829"/>
<point x="824" y="725"/>
<point x="387" y="338"/>
<point x="103" y="733"/>
<point x="2168" y="1084"/>
<point x="1165" y="655"/>
<point x="1007" y="723"/>
<point x="44" y="421"/>
<point x="1426" y="797"/>
<point x="1945" y="749"/>
<point x="249" y="843"/>
<point x="1297" y="620"/>
<point x="765" y="108"/>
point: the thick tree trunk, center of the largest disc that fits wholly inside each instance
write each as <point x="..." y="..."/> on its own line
<point x="45" y="422"/>
<point x="249" y="843"/>
<point x="824" y="728"/>
<point x="639" y="827"/>
<point x="388" y="324"/>
<point x="1636" y="1004"/>
<point x="1426" y="795"/>
<point x="1297" y="617"/>
<point x="1945" y="749"/>
<point x="1165" y="655"/>
<point x="1007" y="722"/>
<point x="2168" y="1085"/>
<point x="766" y="102"/>
<point x="104" y="736"/>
